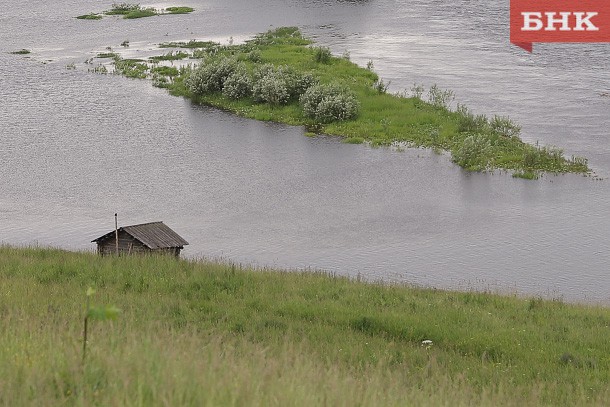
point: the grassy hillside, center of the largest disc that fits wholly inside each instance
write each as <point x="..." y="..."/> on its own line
<point x="194" y="333"/>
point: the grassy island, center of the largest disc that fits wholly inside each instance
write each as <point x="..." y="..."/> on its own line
<point x="200" y="333"/>
<point x="281" y="76"/>
<point x="131" y="11"/>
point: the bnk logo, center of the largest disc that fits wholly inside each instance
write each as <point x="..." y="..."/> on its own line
<point x="558" y="21"/>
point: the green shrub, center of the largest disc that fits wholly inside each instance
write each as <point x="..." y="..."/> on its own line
<point x="279" y="85"/>
<point x="381" y="86"/>
<point x="469" y="123"/>
<point x="123" y="8"/>
<point x="440" y="98"/>
<point x="504" y="126"/>
<point x="254" y="56"/>
<point x="210" y="77"/>
<point x="238" y="84"/>
<point x="271" y="89"/>
<point x="322" y="55"/>
<point x="474" y="153"/>
<point x="329" y="103"/>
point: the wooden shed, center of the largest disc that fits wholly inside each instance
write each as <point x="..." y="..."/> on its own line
<point x="154" y="237"/>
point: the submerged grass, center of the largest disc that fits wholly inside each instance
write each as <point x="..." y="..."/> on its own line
<point x="179" y="10"/>
<point x="200" y="333"/>
<point x="190" y="44"/>
<point x="132" y="11"/>
<point x="90" y="16"/>
<point x="170" y="56"/>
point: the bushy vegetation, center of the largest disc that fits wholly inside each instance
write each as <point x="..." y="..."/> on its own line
<point x="322" y="55"/>
<point x="238" y="84"/>
<point x="329" y="103"/>
<point x="200" y="333"/>
<point x="210" y="77"/>
<point x="473" y="153"/>
<point x="279" y="66"/>
<point x="279" y="85"/>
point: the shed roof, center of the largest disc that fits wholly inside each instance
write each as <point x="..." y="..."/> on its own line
<point x="154" y="235"/>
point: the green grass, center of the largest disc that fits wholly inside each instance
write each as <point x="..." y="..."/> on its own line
<point x="169" y="71"/>
<point x="141" y="13"/>
<point x="199" y="333"/>
<point x="179" y="10"/>
<point x="21" y="52"/>
<point x="131" y="68"/>
<point x="190" y="44"/>
<point x="170" y="56"/>
<point x="90" y="16"/>
<point x="107" y="55"/>
<point x="132" y="11"/>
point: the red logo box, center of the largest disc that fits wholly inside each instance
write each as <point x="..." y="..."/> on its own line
<point x="558" y="21"/>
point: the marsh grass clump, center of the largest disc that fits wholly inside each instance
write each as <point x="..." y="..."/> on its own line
<point x="130" y="11"/>
<point x="165" y="71"/>
<point x="474" y="153"/>
<point x="100" y="69"/>
<point x="381" y="86"/>
<point x="504" y="126"/>
<point x="322" y="55"/>
<point x="179" y="10"/>
<point x="170" y="56"/>
<point x="141" y="13"/>
<point x="21" y="52"/>
<point x="329" y="103"/>
<point x="440" y="98"/>
<point x="90" y="16"/>
<point x="189" y="44"/>
<point x="130" y="68"/>
<point x="280" y="36"/>
<point x="104" y="55"/>
<point x="123" y="8"/>
<point x="470" y="123"/>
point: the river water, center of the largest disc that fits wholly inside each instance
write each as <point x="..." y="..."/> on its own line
<point x="76" y="147"/>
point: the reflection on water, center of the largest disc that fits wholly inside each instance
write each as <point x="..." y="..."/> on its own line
<point x="78" y="147"/>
